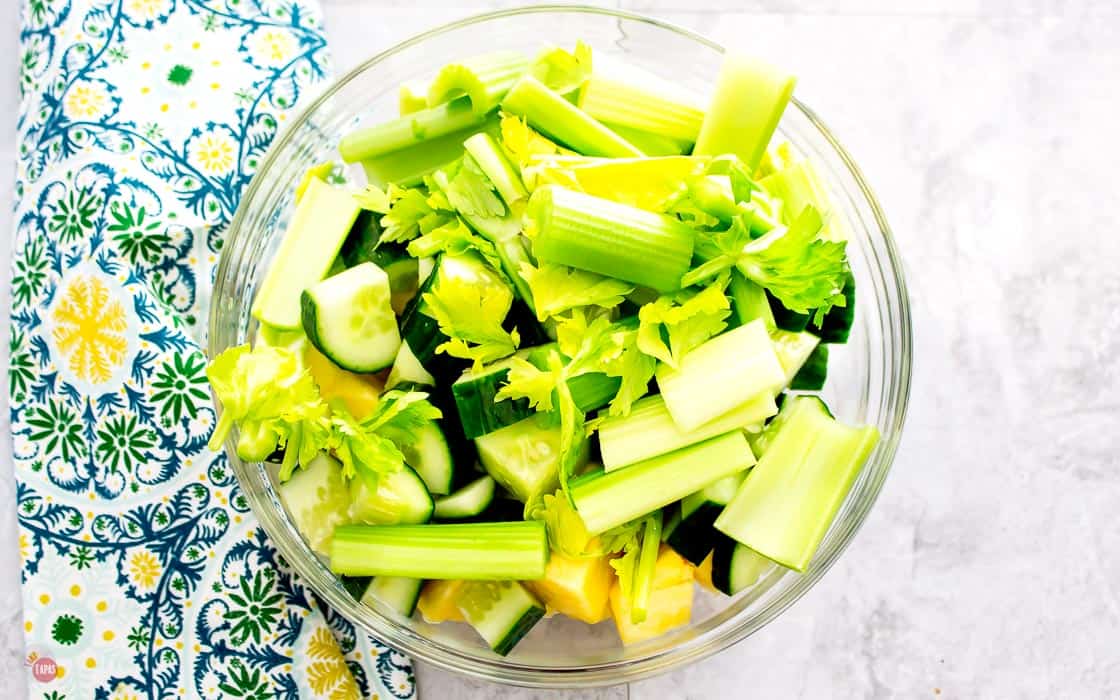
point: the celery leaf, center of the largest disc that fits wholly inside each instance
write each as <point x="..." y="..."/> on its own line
<point x="563" y="71"/>
<point x="559" y="288"/>
<point x="686" y="319"/>
<point x="471" y="317"/>
<point x="526" y="381"/>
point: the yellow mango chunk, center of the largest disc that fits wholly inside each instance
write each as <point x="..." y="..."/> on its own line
<point x="438" y="601"/>
<point x="577" y="588"/>
<point x="669" y="608"/>
<point x="359" y="392"/>
<point x="703" y="574"/>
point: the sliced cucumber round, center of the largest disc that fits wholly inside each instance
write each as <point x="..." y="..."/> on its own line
<point x="430" y="456"/>
<point x="349" y="318"/>
<point x="400" y="498"/>
<point x="467" y="502"/>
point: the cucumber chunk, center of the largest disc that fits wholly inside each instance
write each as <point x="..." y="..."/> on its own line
<point x="467" y="502"/>
<point x="695" y="535"/>
<point x="401" y="497"/>
<point x="736" y="567"/>
<point x="400" y="593"/>
<point x="502" y="612"/>
<point x="430" y="456"/>
<point x="349" y="318"/>
<point x="317" y="500"/>
<point x="523" y="457"/>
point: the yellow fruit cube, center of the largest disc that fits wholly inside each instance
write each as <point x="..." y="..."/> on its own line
<point x="438" y="601"/>
<point x="669" y="608"/>
<point x="360" y="392"/>
<point x="704" y="574"/>
<point x="671" y="568"/>
<point x="577" y="588"/>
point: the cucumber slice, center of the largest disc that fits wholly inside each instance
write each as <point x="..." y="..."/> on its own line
<point x="784" y="508"/>
<point x="318" y="227"/>
<point x="401" y="497"/>
<point x="349" y="319"/>
<point x="650" y="431"/>
<point x="430" y="456"/>
<point x="813" y="373"/>
<point x="784" y="318"/>
<point x="523" y="457"/>
<point x="695" y="535"/>
<point x="406" y="368"/>
<point x="469" y="501"/>
<point x="400" y="593"/>
<point x="476" y="396"/>
<point x="736" y="567"/>
<point x="502" y="612"/>
<point x="793" y="350"/>
<point x="317" y="500"/>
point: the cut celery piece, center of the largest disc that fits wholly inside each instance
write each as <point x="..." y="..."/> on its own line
<point x="749" y="301"/>
<point x="612" y="239"/>
<point x="724" y="372"/>
<point x="748" y="102"/>
<point x="409" y="130"/>
<point x="785" y="506"/>
<point x="651" y="144"/>
<point x="483" y="79"/>
<point x="798" y="186"/>
<point x="408" y="166"/>
<point x="551" y="114"/>
<point x="793" y="350"/>
<point x="315" y="234"/>
<point x="610" y="499"/>
<point x="626" y="95"/>
<point x="508" y="550"/>
<point x="412" y="96"/>
<point x="649" y="430"/>
<point x="494" y="164"/>
<point x="645" y="183"/>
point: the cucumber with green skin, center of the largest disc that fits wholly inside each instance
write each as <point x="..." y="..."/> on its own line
<point x="736" y="567"/>
<point x="469" y="501"/>
<point x="695" y="535"/>
<point x="502" y="612"/>
<point x="349" y="318"/>
<point x="400" y="497"/>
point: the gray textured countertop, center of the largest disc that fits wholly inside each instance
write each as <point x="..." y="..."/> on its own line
<point x="990" y="567"/>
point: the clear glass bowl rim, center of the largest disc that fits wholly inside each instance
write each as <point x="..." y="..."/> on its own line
<point x="505" y="670"/>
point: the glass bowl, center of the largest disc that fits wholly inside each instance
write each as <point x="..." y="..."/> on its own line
<point x="869" y="378"/>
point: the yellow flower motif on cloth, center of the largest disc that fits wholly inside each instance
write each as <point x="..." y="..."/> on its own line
<point x="144" y="569"/>
<point x="24" y="546"/>
<point x="85" y="100"/>
<point x="273" y="46"/>
<point x="328" y="675"/>
<point x="147" y="9"/>
<point x="90" y="328"/>
<point x="124" y="692"/>
<point x="213" y="153"/>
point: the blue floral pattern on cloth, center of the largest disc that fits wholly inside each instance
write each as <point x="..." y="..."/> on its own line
<point x="144" y="573"/>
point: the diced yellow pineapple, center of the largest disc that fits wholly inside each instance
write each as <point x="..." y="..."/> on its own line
<point x="703" y="574"/>
<point x="669" y="608"/>
<point x="577" y="588"/>
<point x="359" y="392"/>
<point x="438" y="601"/>
<point x="671" y="568"/>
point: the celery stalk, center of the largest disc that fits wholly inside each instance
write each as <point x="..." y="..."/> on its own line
<point x="612" y="239"/>
<point x="507" y="550"/>
<point x="646" y="570"/>
<point x="410" y="130"/>
<point x="412" y="96"/>
<point x="484" y="79"/>
<point x="493" y="162"/>
<point x="630" y="97"/>
<point x="798" y="186"/>
<point x="613" y="498"/>
<point x="748" y="102"/>
<point x="548" y="112"/>
<point x="408" y="166"/>
<point x="785" y="506"/>
<point x="651" y="144"/>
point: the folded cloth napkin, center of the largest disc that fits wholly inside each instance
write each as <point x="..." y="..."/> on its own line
<point x="145" y="575"/>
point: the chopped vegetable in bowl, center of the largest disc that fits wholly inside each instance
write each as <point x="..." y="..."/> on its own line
<point x="554" y="355"/>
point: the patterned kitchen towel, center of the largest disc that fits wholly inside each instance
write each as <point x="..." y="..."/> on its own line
<point x="144" y="573"/>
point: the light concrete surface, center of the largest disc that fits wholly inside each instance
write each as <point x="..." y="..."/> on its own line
<point x="990" y="567"/>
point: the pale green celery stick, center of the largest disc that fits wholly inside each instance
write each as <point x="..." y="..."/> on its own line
<point x="612" y="239"/>
<point x="785" y="506"/>
<point x="413" y="96"/>
<point x="651" y="144"/>
<point x="412" y="129"/>
<point x="484" y="79"/>
<point x="548" y="112"/>
<point x="493" y="162"/>
<point x="409" y="165"/>
<point x="748" y="102"/>
<point x="311" y="242"/>
<point x="630" y="97"/>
